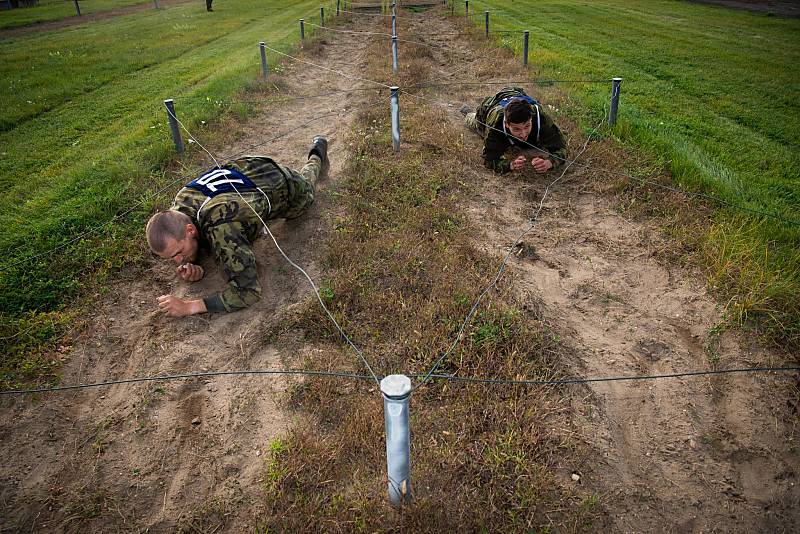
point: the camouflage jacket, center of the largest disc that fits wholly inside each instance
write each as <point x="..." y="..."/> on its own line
<point x="228" y="226"/>
<point x="544" y="134"/>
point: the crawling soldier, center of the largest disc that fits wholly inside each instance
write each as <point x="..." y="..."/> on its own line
<point x="512" y="122"/>
<point x="210" y="212"/>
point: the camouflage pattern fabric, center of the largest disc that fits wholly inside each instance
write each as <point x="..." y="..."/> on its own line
<point x="496" y="142"/>
<point x="228" y="226"/>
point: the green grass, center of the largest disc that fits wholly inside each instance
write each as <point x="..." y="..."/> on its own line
<point x="713" y="95"/>
<point x="48" y="10"/>
<point x="84" y="137"/>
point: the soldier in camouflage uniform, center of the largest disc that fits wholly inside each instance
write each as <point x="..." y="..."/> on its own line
<point x="512" y="119"/>
<point x="212" y="211"/>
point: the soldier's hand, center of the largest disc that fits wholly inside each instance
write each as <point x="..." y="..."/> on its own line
<point x="190" y="272"/>
<point x="541" y="165"/>
<point x="518" y="164"/>
<point x="180" y="308"/>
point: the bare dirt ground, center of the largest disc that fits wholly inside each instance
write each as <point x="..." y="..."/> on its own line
<point x="692" y="455"/>
<point x="87" y="18"/>
<point x="781" y="8"/>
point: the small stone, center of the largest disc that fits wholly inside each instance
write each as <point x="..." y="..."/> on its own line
<point x="576" y="477"/>
<point x="196" y="421"/>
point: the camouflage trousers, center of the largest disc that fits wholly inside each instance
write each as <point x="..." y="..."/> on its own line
<point x="302" y="186"/>
<point x="472" y="123"/>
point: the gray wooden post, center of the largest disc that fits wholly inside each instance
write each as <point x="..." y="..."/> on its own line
<point x="615" y="88"/>
<point x="525" y="36"/>
<point x="486" y="13"/>
<point x="395" y="119"/>
<point x="396" y="390"/>
<point x="302" y="32"/>
<point x="321" y="16"/>
<point x="156" y="4"/>
<point x="264" y="67"/>
<point x="173" y="124"/>
<point x="394" y="54"/>
<point x="77" y="7"/>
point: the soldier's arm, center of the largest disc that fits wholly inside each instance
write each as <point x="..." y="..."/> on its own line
<point x="234" y="253"/>
<point x="552" y="140"/>
<point x="493" y="149"/>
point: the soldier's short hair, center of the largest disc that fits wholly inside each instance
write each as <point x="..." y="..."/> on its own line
<point x="166" y="225"/>
<point x="518" y="111"/>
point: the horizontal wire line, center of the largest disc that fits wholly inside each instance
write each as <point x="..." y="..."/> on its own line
<point x="354" y="376"/>
<point x="268" y="98"/>
<point x="534" y="81"/>
<point x="686" y="374"/>
<point x="398" y="17"/>
<point x="328" y="69"/>
<point x="187" y="376"/>
<point x="389" y="35"/>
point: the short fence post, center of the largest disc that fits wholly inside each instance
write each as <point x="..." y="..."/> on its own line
<point x="615" y="88"/>
<point x="173" y="124"/>
<point x="486" y="13"/>
<point x="264" y="67"/>
<point x="395" y="119"/>
<point x="77" y="7"/>
<point x="394" y="54"/>
<point x="337" y="7"/>
<point x="525" y="36"/>
<point x="156" y="4"/>
<point x="396" y="390"/>
<point x="466" y="10"/>
<point x="321" y="16"/>
<point x="302" y="32"/>
<point x="394" y="20"/>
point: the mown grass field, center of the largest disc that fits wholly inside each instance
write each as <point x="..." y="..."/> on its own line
<point x="713" y="95"/>
<point x="47" y="10"/>
<point x="84" y="138"/>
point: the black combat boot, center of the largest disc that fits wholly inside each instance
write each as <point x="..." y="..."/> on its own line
<point x="320" y="149"/>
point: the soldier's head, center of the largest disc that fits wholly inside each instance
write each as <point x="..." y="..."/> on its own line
<point x="518" y="118"/>
<point x="172" y="235"/>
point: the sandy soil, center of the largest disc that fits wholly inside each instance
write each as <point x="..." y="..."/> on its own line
<point x="694" y="455"/>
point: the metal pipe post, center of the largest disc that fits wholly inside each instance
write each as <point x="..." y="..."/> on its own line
<point x="394" y="54"/>
<point x="173" y="125"/>
<point x="396" y="390"/>
<point x="77" y="7"/>
<point x="264" y="67"/>
<point x="395" y="119"/>
<point x="615" y="88"/>
<point x="486" y="13"/>
<point x="394" y="20"/>
<point x="302" y="32"/>
<point x="321" y="16"/>
<point x="525" y="36"/>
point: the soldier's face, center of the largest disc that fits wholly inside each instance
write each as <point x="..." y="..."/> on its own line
<point x="520" y="130"/>
<point x="182" y="251"/>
